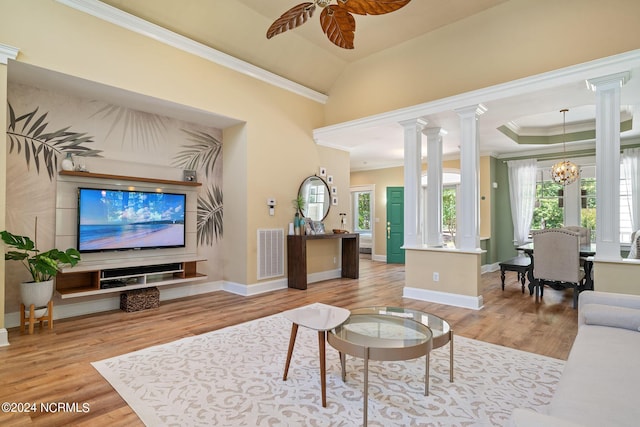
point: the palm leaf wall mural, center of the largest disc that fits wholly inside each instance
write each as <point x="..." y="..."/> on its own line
<point x="28" y="134"/>
<point x="209" y="215"/>
<point x="202" y="155"/>
<point x="142" y="128"/>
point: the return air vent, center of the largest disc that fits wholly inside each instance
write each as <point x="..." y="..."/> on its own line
<point x="270" y="253"/>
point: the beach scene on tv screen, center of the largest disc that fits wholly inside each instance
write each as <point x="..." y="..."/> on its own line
<point x="111" y="220"/>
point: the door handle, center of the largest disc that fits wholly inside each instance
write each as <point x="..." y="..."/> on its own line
<point x="388" y="230"/>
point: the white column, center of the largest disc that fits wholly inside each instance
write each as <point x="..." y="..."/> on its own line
<point x="412" y="180"/>
<point x="607" y="91"/>
<point x="433" y="215"/>
<point x="469" y="220"/>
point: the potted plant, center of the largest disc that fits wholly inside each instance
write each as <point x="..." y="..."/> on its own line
<point x="42" y="266"/>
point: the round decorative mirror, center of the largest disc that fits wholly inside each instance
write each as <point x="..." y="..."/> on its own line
<point x="317" y="200"/>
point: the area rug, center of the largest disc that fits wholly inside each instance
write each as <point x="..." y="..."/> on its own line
<point x="233" y="377"/>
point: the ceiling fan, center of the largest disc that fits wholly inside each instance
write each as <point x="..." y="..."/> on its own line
<point x="336" y="20"/>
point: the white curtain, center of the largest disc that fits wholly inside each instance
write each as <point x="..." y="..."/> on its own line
<point x="522" y="192"/>
<point x="630" y="162"/>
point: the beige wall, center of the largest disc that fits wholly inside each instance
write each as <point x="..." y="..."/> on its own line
<point x="3" y="183"/>
<point x="513" y="40"/>
<point x="272" y="153"/>
<point x="394" y="177"/>
<point x="458" y="272"/>
<point x="234" y="182"/>
<point x="620" y="277"/>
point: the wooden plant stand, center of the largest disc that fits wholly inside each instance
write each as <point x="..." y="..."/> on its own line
<point x="32" y="319"/>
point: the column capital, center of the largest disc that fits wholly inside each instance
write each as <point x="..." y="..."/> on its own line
<point x="7" y="52"/>
<point x="605" y="82"/>
<point x="419" y="123"/>
<point x="434" y="132"/>
<point x="476" y="110"/>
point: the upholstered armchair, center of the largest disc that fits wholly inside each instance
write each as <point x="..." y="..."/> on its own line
<point x="634" y="250"/>
<point x="584" y="232"/>
<point x="557" y="261"/>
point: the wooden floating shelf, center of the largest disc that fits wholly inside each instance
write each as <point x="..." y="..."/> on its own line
<point x="88" y="290"/>
<point x="129" y="178"/>
<point x="73" y="284"/>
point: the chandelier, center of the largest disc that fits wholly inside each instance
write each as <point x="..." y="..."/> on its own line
<point x="564" y="172"/>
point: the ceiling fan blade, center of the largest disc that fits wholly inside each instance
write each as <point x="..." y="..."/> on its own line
<point x="339" y="26"/>
<point x="372" y="7"/>
<point x="292" y="18"/>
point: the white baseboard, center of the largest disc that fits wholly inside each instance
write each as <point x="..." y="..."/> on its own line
<point x="379" y="258"/>
<point x="274" y="285"/>
<point x="259" y="288"/>
<point x="455" y="300"/>
<point x="488" y="268"/>
<point x="90" y="305"/>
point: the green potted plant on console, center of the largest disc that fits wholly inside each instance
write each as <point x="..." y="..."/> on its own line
<point x="43" y="266"/>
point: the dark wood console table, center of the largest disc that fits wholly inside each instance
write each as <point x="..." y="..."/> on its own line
<point x="297" y="257"/>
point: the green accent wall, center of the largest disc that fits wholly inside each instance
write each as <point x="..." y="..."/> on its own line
<point x="492" y="243"/>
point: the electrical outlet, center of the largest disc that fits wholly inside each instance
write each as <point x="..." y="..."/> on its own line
<point x="436" y="276"/>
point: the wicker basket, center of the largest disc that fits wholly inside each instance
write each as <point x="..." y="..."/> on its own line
<point x="140" y="299"/>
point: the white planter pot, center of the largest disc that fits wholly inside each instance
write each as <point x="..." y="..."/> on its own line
<point x="37" y="293"/>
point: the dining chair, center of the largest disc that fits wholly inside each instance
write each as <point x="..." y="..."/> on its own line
<point x="634" y="250"/>
<point x="584" y="232"/>
<point x="585" y="237"/>
<point x="557" y="261"/>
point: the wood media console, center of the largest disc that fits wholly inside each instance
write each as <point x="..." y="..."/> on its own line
<point x="94" y="280"/>
<point x="297" y="257"/>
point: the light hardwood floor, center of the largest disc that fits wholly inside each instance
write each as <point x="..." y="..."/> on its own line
<point x="54" y="365"/>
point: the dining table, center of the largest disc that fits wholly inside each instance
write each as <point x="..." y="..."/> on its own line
<point x="587" y="252"/>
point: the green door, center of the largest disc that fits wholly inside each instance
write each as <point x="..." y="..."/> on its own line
<point x="395" y="225"/>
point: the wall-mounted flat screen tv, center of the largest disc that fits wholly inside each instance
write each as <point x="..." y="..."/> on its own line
<point x="111" y="220"/>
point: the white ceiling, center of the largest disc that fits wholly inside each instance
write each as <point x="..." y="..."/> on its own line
<point x="304" y="55"/>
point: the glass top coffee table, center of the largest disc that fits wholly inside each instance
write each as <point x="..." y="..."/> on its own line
<point x="385" y="334"/>
<point x="442" y="332"/>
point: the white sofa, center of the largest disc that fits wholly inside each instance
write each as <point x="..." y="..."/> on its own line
<point x="600" y="382"/>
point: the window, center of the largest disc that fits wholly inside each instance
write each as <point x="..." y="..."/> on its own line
<point x="554" y="202"/>
<point x="588" y="203"/>
<point x="548" y="212"/>
<point x="362" y="200"/>
<point x="625" y="209"/>
<point x="449" y="214"/>
<point x="550" y="204"/>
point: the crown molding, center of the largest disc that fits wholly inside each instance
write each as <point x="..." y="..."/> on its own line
<point x="7" y="52"/>
<point x="133" y="23"/>
<point x="603" y="67"/>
